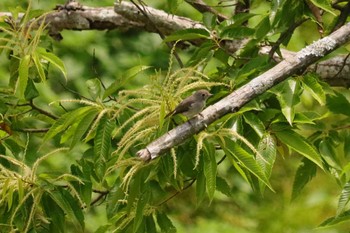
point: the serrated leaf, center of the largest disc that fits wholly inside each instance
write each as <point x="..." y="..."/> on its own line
<point x="299" y="144"/>
<point x="23" y="72"/>
<point x="209" y="20"/>
<point x="311" y="84"/>
<point x="267" y="150"/>
<point x="324" y="5"/>
<point x="343" y="199"/>
<point x="31" y="92"/>
<point x="254" y="122"/>
<point x="69" y="205"/>
<point x="118" y="84"/>
<point x="201" y="53"/>
<point x="246" y="160"/>
<point x="236" y="32"/>
<point x="150" y="224"/>
<point x="103" y="137"/>
<point x="210" y="169"/>
<point x="200" y="188"/>
<point x="53" y="59"/>
<point x="188" y="34"/>
<point x="9" y="196"/>
<point x="65" y="121"/>
<point x="223" y="187"/>
<point x="55" y="213"/>
<point x="240" y="18"/>
<point x="305" y="172"/>
<point x="94" y="87"/>
<point x="39" y="66"/>
<point x="329" y="154"/>
<point x="345" y="216"/>
<point x="338" y="104"/>
<point x="172" y="6"/>
<point x="165" y="224"/>
<point x="140" y="206"/>
<point x="288" y="97"/>
<point x="262" y="28"/>
<point x="83" y="125"/>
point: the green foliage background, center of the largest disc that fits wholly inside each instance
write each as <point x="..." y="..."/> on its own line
<point x="81" y="158"/>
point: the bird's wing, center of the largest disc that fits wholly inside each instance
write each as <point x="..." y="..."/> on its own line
<point x="183" y="106"/>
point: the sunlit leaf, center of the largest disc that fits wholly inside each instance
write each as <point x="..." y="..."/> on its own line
<point x="22" y="80"/>
<point x="324" y="5"/>
<point x="53" y="59"/>
<point x="311" y="84"/>
<point x="103" y="138"/>
<point x="246" y="160"/>
<point x="300" y="145"/>
<point x="344" y="198"/>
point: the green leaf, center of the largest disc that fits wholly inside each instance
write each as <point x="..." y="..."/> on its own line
<point x="173" y="5"/>
<point x="150" y="224"/>
<point x="246" y="160"/>
<point x="237" y="32"/>
<point x="53" y="59"/>
<point x="324" y="5"/>
<point x="31" y="92"/>
<point x="188" y="34"/>
<point x="288" y="97"/>
<point x="165" y="224"/>
<point x="262" y="28"/>
<point x="69" y="205"/>
<point x="223" y="187"/>
<point x="94" y="87"/>
<point x="39" y="66"/>
<point x="141" y="203"/>
<point x="338" y="104"/>
<point x="200" y="187"/>
<point x="306" y="171"/>
<point x="209" y="20"/>
<point x="83" y="125"/>
<point x="118" y="84"/>
<point x="201" y="53"/>
<point x="267" y="150"/>
<point x="345" y="216"/>
<point x="300" y="145"/>
<point x="23" y="71"/>
<point x="343" y="199"/>
<point x="254" y="122"/>
<point x="83" y="189"/>
<point x="55" y="213"/>
<point x="103" y="137"/>
<point x="311" y="84"/>
<point x="210" y="169"/>
<point x="240" y="18"/>
<point x="329" y="154"/>
<point x="65" y="121"/>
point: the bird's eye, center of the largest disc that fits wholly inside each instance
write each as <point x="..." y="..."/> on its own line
<point x="203" y="95"/>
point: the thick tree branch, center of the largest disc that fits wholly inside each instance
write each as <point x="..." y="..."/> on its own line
<point x="246" y="93"/>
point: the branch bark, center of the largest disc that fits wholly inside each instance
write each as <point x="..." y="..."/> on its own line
<point x="238" y="98"/>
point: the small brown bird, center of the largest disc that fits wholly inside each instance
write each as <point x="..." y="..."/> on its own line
<point x="191" y="105"/>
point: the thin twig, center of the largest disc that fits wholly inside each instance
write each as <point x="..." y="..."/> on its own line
<point x="178" y="192"/>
